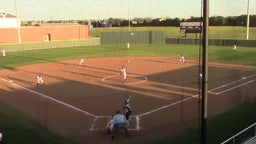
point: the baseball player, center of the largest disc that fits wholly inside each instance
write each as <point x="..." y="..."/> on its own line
<point x="123" y="73"/>
<point x="127" y="108"/>
<point x="128" y="45"/>
<point x="234" y="47"/>
<point x="182" y="59"/>
<point x="199" y="79"/>
<point x="110" y="126"/>
<point x="81" y="62"/>
<point x="1" y="139"/>
<point x="3" y="53"/>
<point x="39" y="80"/>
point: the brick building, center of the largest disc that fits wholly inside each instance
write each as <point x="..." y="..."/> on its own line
<point x="11" y="33"/>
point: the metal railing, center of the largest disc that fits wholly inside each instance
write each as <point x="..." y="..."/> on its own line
<point x="248" y="138"/>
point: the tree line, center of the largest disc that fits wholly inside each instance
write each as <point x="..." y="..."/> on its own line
<point x="148" y="21"/>
<point x="137" y="22"/>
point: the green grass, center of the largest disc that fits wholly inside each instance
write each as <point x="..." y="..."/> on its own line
<point x="18" y="129"/>
<point x="219" y="128"/>
<point x="242" y="56"/>
<point x="215" y="32"/>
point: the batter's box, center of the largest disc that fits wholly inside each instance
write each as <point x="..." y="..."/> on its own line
<point x="101" y="122"/>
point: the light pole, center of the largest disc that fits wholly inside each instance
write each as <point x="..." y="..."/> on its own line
<point x="17" y="22"/>
<point x="248" y="20"/>
<point x="129" y="18"/>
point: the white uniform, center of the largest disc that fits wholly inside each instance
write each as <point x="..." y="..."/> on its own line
<point x="128" y="45"/>
<point x="200" y="78"/>
<point x="81" y="62"/>
<point x="39" y="79"/>
<point x="182" y="59"/>
<point x="3" y="52"/>
<point x="123" y="72"/>
<point x="234" y="47"/>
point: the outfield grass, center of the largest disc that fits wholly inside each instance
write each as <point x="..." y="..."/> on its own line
<point x="215" y="32"/>
<point x="242" y="56"/>
<point x="219" y="128"/>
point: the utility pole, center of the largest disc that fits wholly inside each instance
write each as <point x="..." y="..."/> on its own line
<point x="17" y="22"/>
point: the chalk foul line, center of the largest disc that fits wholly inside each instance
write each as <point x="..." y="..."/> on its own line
<point x="137" y="117"/>
<point x="48" y="97"/>
<point x="235" y="87"/>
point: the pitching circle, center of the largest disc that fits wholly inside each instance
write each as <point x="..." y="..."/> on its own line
<point x="113" y="82"/>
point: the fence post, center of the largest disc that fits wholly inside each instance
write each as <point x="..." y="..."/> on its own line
<point x="255" y="129"/>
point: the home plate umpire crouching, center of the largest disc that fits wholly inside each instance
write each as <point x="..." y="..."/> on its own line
<point x="119" y="122"/>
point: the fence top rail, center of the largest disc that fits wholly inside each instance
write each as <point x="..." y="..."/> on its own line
<point x="251" y="141"/>
<point x="239" y="133"/>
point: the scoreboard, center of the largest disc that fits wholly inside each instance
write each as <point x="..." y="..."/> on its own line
<point x="191" y="27"/>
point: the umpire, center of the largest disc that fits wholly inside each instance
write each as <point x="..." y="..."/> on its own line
<point x="119" y="122"/>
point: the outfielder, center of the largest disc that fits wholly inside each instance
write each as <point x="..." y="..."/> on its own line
<point x="3" y="53"/>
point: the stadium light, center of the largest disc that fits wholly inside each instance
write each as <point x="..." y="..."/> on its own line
<point x="129" y="18"/>
<point x="248" y="20"/>
<point x="17" y="21"/>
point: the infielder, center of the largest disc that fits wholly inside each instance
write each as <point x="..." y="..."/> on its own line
<point x="81" y="62"/>
<point x="182" y="59"/>
<point x="39" y="80"/>
<point x="123" y="73"/>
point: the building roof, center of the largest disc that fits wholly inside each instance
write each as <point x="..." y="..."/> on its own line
<point x="6" y="15"/>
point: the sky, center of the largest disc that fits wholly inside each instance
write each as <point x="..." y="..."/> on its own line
<point x="104" y="9"/>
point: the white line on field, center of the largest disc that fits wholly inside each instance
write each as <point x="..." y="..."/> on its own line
<point x="126" y="83"/>
<point x="166" y="106"/>
<point x="186" y="99"/>
<point x="138" y="123"/>
<point x="93" y="123"/>
<point x="235" y="87"/>
<point x="48" y="97"/>
<point x="137" y="117"/>
<point x="233" y="82"/>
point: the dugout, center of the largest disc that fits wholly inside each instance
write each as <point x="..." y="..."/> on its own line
<point x="135" y="37"/>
